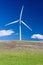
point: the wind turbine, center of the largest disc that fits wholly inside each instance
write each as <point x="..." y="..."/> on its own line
<point x="20" y="21"/>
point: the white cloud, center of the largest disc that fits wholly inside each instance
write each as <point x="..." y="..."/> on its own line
<point x="6" y="32"/>
<point x="37" y="36"/>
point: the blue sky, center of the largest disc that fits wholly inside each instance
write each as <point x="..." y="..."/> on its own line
<point x="32" y="16"/>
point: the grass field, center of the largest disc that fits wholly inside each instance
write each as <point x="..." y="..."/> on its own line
<point x="21" y="53"/>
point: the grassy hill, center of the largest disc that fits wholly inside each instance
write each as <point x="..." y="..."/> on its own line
<point x="21" y="53"/>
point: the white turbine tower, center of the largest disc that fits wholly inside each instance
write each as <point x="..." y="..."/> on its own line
<point x="20" y="21"/>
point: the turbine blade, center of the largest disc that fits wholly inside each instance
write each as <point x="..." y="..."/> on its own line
<point x="21" y="12"/>
<point x="11" y="23"/>
<point x="26" y="25"/>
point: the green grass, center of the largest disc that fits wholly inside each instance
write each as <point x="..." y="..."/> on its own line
<point x="21" y="58"/>
<point x="10" y="54"/>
